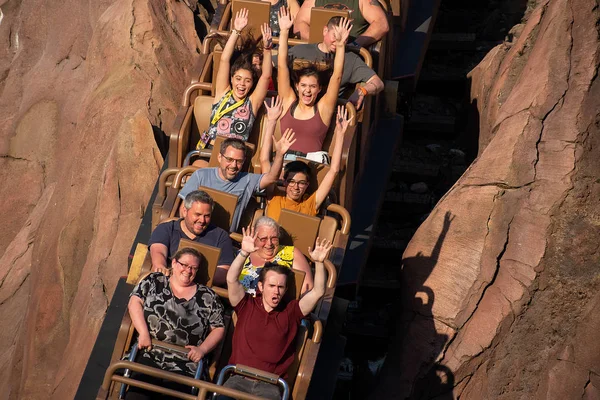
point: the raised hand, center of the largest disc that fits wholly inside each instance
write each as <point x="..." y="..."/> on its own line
<point x="241" y="19"/>
<point x="341" y="32"/>
<point x="267" y="38"/>
<point x="448" y="217"/>
<point x="248" y="240"/>
<point x="195" y="354"/>
<point x="285" y="19"/>
<point x="274" y="111"/>
<point x="322" y="247"/>
<point x="341" y="120"/>
<point x="286" y="141"/>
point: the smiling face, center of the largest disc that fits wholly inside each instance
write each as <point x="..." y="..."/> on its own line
<point x="241" y="83"/>
<point x="197" y="218"/>
<point x="184" y="269"/>
<point x="308" y="89"/>
<point x="267" y="242"/>
<point x="230" y="162"/>
<point x="273" y="288"/>
<point x="296" y="185"/>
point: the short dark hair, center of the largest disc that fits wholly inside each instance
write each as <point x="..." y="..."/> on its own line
<point x="295" y="167"/>
<point x="198" y="196"/>
<point x="235" y="143"/>
<point x="187" y="250"/>
<point x="277" y="268"/>
<point x="334" y="21"/>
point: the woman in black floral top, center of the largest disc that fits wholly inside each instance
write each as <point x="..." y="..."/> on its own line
<point x="176" y="310"/>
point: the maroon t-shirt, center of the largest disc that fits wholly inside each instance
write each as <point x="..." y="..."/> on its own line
<point x="265" y="340"/>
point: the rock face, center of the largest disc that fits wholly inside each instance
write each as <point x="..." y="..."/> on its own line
<point x="83" y="88"/>
<point x="501" y="281"/>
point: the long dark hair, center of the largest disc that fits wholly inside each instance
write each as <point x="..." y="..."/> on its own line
<point x="242" y="57"/>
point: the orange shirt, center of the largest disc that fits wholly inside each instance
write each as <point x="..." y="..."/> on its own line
<point x="277" y="203"/>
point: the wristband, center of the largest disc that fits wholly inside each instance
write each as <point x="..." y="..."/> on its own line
<point x="362" y="90"/>
<point x="354" y="43"/>
<point x="243" y="254"/>
<point x="268" y="48"/>
<point x="235" y="31"/>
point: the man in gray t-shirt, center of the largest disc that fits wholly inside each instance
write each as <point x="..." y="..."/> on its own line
<point x="355" y="69"/>
<point x="228" y="177"/>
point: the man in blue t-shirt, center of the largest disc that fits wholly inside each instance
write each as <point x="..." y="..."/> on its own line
<point x="227" y="177"/>
<point x="195" y="225"/>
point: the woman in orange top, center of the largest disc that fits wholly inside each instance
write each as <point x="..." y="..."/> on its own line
<point x="296" y="174"/>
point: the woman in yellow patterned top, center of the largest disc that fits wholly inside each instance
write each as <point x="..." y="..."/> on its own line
<point x="269" y="251"/>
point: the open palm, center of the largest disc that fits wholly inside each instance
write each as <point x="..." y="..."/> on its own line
<point x="321" y="250"/>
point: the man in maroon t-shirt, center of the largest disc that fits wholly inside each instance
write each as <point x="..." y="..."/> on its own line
<point x="265" y="332"/>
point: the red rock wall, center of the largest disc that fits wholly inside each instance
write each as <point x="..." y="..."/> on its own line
<point x="81" y="85"/>
<point x="501" y="281"/>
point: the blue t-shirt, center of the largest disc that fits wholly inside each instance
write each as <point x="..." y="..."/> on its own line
<point x="170" y="233"/>
<point x="242" y="186"/>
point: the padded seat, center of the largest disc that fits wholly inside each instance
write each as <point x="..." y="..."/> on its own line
<point x="319" y="17"/>
<point x="205" y="275"/>
<point x="258" y="14"/>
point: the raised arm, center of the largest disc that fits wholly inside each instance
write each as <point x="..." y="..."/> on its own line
<point x="302" y="22"/>
<point x="266" y="147"/>
<point x="235" y="289"/>
<point x="136" y="311"/>
<point x="281" y="147"/>
<point x="378" y="23"/>
<point x="222" y="79"/>
<point x="319" y="254"/>
<point x="294" y="8"/>
<point x="262" y="86"/>
<point x="327" y="103"/>
<point x="284" y="86"/>
<point x="341" y="127"/>
<point x="301" y="264"/>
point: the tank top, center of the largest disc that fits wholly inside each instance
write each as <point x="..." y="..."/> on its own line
<point x="310" y="133"/>
<point x="359" y="23"/>
<point x="235" y="123"/>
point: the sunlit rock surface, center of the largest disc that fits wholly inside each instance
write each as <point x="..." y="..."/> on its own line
<point x="82" y="85"/>
<point x="501" y="282"/>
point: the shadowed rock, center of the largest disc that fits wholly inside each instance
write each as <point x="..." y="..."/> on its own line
<point x="519" y="265"/>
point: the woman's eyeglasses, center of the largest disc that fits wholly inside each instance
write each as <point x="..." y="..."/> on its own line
<point x="187" y="266"/>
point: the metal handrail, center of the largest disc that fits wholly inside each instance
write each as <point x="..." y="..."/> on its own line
<point x="344" y="214"/>
<point x="203" y="386"/>
<point x="166" y="346"/>
<point x="254" y="374"/>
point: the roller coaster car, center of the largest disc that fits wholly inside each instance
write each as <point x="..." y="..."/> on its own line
<point x="301" y="230"/>
<point x="309" y="334"/>
<point x="193" y="116"/>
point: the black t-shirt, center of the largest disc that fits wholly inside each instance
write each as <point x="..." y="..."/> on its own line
<point x="170" y="233"/>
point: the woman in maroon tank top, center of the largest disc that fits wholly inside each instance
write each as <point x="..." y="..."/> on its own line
<point x="308" y="118"/>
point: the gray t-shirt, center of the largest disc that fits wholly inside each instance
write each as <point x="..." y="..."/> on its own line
<point x="242" y="186"/>
<point x="355" y="69"/>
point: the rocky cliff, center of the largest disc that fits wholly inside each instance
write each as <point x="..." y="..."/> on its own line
<point x="84" y="87"/>
<point x="501" y="282"/>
